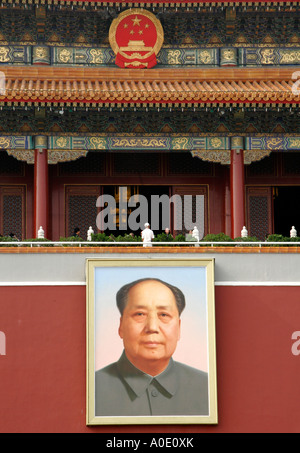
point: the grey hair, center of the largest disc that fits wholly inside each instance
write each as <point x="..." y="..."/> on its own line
<point x="122" y="294"/>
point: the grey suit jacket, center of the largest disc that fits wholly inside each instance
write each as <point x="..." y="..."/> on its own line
<point x="123" y="390"/>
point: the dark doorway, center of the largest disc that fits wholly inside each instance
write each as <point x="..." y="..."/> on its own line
<point x="286" y="212"/>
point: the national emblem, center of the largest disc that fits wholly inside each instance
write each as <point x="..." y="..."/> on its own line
<point x="136" y="37"/>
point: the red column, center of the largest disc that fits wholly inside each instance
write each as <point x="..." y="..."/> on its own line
<point x="227" y="203"/>
<point x="41" y="201"/>
<point x="237" y="189"/>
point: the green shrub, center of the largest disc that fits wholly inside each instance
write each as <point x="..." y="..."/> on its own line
<point x="162" y="237"/>
<point x="179" y="238"/>
<point x="70" y="239"/>
<point x="130" y="238"/>
<point x="221" y="237"/>
<point x="99" y="237"/>
<point x="38" y="242"/>
<point x="280" y="238"/>
<point x="296" y="239"/>
<point x="102" y="237"/>
<point x="8" y="239"/>
<point x="277" y="238"/>
<point x="121" y="238"/>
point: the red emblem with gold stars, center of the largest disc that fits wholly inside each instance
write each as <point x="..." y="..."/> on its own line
<point x="136" y="37"/>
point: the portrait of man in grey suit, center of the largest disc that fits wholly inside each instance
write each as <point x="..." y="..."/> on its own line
<point x="146" y="380"/>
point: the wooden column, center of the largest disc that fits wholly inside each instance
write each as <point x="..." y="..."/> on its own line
<point x="227" y="203"/>
<point x="237" y="187"/>
<point x="41" y="190"/>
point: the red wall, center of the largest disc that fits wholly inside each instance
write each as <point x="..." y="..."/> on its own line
<point x="42" y="375"/>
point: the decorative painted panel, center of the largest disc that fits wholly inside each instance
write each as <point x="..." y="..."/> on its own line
<point x="268" y="56"/>
<point x="189" y="56"/>
<point x="12" y="211"/>
<point x="144" y="142"/>
<point x="194" y="25"/>
<point x="259" y="211"/>
<point x="81" y="210"/>
<point x="168" y="56"/>
<point x="104" y="119"/>
<point x="228" y="57"/>
<point x="16" y="142"/>
<point x="272" y="143"/>
<point x="82" y="55"/>
<point x="15" y="55"/>
<point x="166" y="142"/>
<point x="103" y="56"/>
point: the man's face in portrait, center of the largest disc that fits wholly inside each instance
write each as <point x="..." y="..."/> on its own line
<point x="150" y="326"/>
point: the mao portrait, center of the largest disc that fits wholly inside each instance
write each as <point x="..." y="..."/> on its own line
<point x="145" y="377"/>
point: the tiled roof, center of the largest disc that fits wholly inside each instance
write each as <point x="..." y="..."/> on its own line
<point x="162" y="86"/>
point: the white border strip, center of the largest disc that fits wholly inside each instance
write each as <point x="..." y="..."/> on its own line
<point x="42" y="283"/>
<point x="218" y="283"/>
<point x="263" y="283"/>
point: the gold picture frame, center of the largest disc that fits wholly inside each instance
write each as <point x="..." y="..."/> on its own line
<point x="195" y="352"/>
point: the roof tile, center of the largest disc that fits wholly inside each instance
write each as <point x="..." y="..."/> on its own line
<point x="232" y="85"/>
